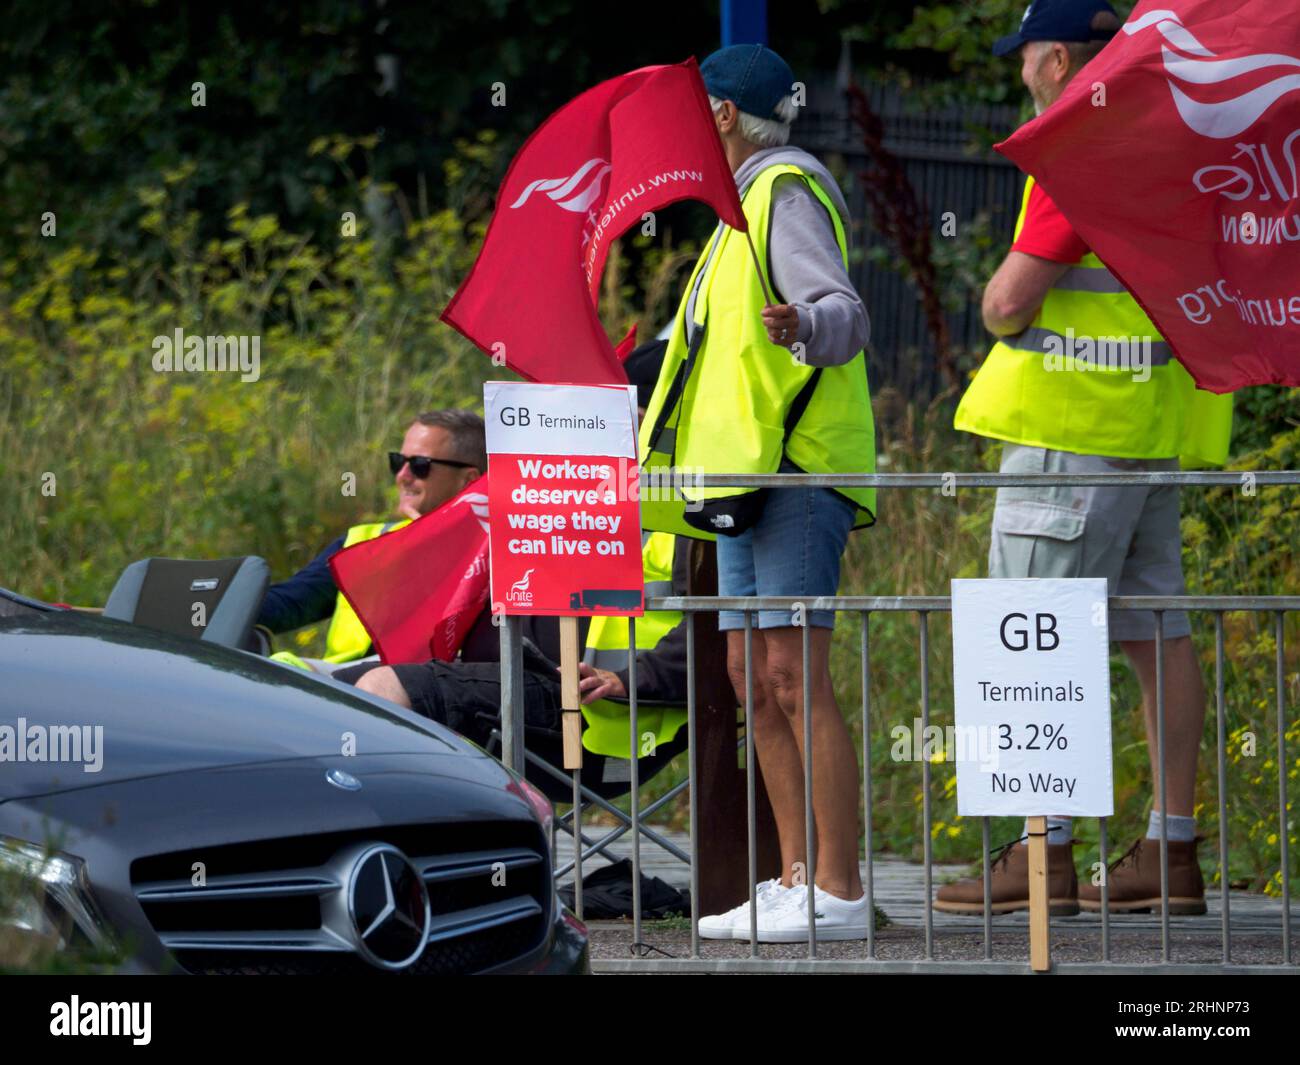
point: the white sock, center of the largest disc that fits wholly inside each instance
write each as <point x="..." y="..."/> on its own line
<point x="1181" y="829"/>
<point x="1058" y="829"/>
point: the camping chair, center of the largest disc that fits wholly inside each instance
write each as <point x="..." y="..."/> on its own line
<point x="603" y="779"/>
<point x="163" y="593"/>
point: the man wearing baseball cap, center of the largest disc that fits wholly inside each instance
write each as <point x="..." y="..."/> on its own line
<point x="1066" y="22"/>
<point x="1059" y="406"/>
<point x="776" y="382"/>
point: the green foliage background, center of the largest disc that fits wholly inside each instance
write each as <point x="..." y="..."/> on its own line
<point x="227" y="220"/>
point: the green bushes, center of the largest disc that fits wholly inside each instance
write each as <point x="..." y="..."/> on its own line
<point x="106" y="460"/>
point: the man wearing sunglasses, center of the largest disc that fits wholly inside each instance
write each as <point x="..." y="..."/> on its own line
<point x="442" y="452"/>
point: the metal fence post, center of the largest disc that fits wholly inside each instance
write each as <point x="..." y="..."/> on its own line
<point x="512" y="694"/>
<point x="1221" y="746"/>
<point x="1162" y="788"/>
<point x="869" y="883"/>
<point x="923" y="618"/>
<point x="1283" y="821"/>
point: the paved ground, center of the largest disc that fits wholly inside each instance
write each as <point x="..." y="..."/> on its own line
<point x="899" y="889"/>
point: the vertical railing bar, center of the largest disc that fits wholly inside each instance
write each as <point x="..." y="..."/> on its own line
<point x="512" y="693"/>
<point x="1162" y="786"/>
<point x="924" y="619"/>
<point x="577" y="843"/>
<point x="988" y="890"/>
<point x="691" y="791"/>
<point x="1221" y="743"/>
<point x="1283" y="822"/>
<point x="634" y="742"/>
<point x="869" y="884"/>
<point x="751" y="782"/>
<point x="810" y="842"/>
<point x="1103" y="832"/>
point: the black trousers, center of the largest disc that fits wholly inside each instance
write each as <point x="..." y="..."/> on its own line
<point x="466" y="696"/>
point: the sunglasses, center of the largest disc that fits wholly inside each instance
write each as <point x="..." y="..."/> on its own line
<point x="421" y="465"/>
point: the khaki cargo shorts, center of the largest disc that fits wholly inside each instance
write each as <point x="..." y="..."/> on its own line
<point x="1130" y="535"/>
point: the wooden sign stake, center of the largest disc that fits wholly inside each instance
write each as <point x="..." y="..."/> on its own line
<point x="1040" y="946"/>
<point x="571" y="717"/>
<point x="569" y="701"/>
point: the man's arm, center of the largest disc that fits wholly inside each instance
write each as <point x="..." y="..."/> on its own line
<point x="1017" y="290"/>
<point x="308" y="596"/>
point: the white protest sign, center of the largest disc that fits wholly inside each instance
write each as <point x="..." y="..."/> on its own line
<point x="1031" y="682"/>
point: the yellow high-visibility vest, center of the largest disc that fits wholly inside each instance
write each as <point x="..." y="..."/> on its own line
<point x="736" y="402"/>
<point x="608" y="722"/>
<point x="1033" y="390"/>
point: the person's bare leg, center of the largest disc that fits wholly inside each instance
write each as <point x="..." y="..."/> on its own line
<point x="778" y="754"/>
<point x="1184" y="716"/>
<point x="384" y="683"/>
<point x="835" y="766"/>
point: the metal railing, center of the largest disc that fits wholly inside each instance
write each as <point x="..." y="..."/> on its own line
<point x="923" y="606"/>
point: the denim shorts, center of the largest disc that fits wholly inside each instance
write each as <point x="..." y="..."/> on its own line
<point x="794" y="549"/>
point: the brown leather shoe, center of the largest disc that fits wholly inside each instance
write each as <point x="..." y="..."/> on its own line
<point x="1009" y="884"/>
<point x="1134" y="880"/>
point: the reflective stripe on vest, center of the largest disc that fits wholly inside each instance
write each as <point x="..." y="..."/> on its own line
<point x="1092" y="375"/>
<point x="607" y="721"/>
<point x="722" y="407"/>
<point x="347" y="639"/>
<point x="1100" y="348"/>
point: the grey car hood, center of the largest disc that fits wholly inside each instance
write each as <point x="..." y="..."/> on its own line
<point x="145" y="703"/>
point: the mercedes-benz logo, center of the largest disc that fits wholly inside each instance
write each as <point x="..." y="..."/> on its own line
<point x="389" y="907"/>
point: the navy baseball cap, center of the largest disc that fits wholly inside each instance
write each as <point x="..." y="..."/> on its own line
<point x="751" y="76"/>
<point x="1057" y="20"/>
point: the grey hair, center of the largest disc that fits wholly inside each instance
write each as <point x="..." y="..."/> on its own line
<point x="465" y="429"/>
<point x="765" y="132"/>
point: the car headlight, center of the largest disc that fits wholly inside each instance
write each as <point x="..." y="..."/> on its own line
<point x="45" y="900"/>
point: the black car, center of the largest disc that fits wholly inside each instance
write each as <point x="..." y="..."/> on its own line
<point x="201" y="810"/>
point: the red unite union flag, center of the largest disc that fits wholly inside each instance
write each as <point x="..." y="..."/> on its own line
<point x="1175" y="154"/>
<point x="592" y="170"/>
<point x="418" y="590"/>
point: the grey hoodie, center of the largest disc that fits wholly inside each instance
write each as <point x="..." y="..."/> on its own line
<point x="806" y="267"/>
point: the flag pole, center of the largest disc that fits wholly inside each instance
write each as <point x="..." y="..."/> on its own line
<point x="767" y="296"/>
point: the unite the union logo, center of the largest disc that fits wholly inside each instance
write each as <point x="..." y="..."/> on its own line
<point x="1239" y="101"/>
<point x="519" y="591"/>
<point x="565" y="192"/>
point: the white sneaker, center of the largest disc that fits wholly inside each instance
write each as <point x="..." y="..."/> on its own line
<point x="734" y="924"/>
<point x="836" y="918"/>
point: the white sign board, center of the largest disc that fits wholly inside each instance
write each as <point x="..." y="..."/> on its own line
<point x="528" y="419"/>
<point x="1031" y="682"/>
